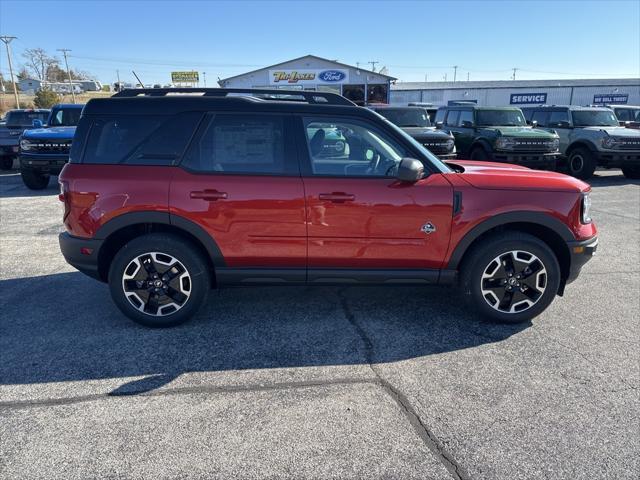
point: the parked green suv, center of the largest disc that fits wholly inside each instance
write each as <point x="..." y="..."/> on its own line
<point x="498" y="134"/>
<point x="590" y="137"/>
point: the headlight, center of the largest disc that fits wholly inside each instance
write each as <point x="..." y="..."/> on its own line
<point x="505" y="143"/>
<point x="450" y="144"/>
<point x="610" y="142"/>
<point x="554" y="144"/>
<point x="585" y="215"/>
<point x="25" y="145"/>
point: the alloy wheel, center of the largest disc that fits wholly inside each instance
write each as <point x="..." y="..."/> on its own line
<point x="156" y="284"/>
<point x="513" y="281"/>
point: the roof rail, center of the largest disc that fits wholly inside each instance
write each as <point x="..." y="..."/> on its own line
<point x="323" y="98"/>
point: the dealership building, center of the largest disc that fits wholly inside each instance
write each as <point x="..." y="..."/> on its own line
<point x="520" y="92"/>
<point x="318" y="74"/>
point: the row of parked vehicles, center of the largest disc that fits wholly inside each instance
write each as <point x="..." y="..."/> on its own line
<point x="569" y="138"/>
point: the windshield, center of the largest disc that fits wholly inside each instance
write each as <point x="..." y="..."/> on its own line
<point x="65" y="117"/>
<point x="594" y="118"/>
<point x="25" y="119"/>
<point x="500" y="118"/>
<point x="406" y="117"/>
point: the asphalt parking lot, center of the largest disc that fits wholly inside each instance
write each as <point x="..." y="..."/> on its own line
<point x="316" y="382"/>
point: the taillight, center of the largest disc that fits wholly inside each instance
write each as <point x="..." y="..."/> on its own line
<point x="62" y="196"/>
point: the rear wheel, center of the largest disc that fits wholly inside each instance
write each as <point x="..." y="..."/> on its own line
<point x="511" y="278"/>
<point x="35" y="180"/>
<point x="581" y="163"/>
<point x="480" y="154"/>
<point x="632" y="171"/>
<point x="6" y="163"/>
<point x="159" y="280"/>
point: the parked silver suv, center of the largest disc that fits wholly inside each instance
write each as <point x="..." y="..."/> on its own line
<point x="590" y="137"/>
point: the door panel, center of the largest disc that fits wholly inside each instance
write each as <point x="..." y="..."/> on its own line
<point x="376" y="222"/>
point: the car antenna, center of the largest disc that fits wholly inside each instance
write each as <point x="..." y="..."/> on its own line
<point x="138" y="78"/>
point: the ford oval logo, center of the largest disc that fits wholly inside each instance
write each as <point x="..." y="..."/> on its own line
<point x="332" y="76"/>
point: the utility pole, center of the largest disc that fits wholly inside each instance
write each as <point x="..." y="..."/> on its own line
<point x="467" y="76"/>
<point x="64" y="52"/>
<point x="204" y="77"/>
<point x="119" y="84"/>
<point x="445" y="77"/>
<point x="373" y="64"/>
<point x="514" y="73"/>
<point x="7" y="41"/>
<point x="455" y="72"/>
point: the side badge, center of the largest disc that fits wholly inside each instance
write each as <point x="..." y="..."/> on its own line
<point x="428" y="228"/>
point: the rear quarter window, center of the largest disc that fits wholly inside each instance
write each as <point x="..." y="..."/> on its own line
<point x="140" y="139"/>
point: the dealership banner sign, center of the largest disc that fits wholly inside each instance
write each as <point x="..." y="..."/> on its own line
<point x="528" y="98"/>
<point x="308" y="77"/>
<point x="185" y="77"/>
<point x="610" y="98"/>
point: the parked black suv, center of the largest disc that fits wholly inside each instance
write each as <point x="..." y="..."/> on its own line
<point x="498" y="134"/>
<point x="415" y="121"/>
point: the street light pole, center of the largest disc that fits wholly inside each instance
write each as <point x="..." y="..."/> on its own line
<point x="7" y="41"/>
<point x="66" y="63"/>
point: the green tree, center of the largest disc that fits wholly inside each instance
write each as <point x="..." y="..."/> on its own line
<point x="45" y="98"/>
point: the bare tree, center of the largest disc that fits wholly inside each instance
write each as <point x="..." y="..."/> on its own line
<point x="39" y="62"/>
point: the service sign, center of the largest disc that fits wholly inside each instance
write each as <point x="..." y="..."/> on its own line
<point x="184" y="77"/>
<point x="610" y="98"/>
<point x="308" y="77"/>
<point x="528" y="98"/>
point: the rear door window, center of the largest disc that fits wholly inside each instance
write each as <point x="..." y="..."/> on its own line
<point x="241" y="144"/>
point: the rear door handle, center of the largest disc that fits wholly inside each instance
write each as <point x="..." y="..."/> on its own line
<point x="337" y="197"/>
<point x="209" y="195"/>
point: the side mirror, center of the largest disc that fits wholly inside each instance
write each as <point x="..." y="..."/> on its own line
<point x="467" y="124"/>
<point x="37" y="123"/>
<point x="534" y="123"/>
<point x="563" y="124"/>
<point x="410" y="170"/>
<point x="439" y="125"/>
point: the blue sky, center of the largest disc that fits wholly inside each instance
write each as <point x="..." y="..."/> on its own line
<point x="544" y="39"/>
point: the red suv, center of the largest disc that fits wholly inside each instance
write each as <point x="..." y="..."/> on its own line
<point x="168" y="195"/>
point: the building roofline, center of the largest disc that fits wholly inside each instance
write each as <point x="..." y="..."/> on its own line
<point x="300" y="58"/>
<point x="465" y="85"/>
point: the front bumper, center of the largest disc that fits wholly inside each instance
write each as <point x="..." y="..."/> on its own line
<point x="81" y="253"/>
<point x="580" y="253"/>
<point x="618" y="158"/>
<point x="9" y="150"/>
<point x="528" y="159"/>
<point x="51" y="164"/>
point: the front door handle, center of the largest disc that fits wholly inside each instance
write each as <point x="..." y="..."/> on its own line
<point x="337" y="197"/>
<point x="209" y="195"/>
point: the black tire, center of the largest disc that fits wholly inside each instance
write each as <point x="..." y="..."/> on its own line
<point x="6" y="163"/>
<point x="35" y="180"/>
<point x="189" y="261"/>
<point x="581" y="163"/>
<point x="632" y="172"/>
<point x="480" y="154"/>
<point x="488" y="255"/>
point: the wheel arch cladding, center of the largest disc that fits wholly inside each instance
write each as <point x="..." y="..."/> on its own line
<point x="581" y="143"/>
<point x="120" y="230"/>
<point x="551" y="231"/>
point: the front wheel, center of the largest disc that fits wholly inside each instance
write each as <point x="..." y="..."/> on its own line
<point x="35" y="180"/>
<point x="6" y="163"/>
<point x="159" y="280"/>
<point x="582" y="163"/>
<point x="511" y="278"/>
<point x="480" y="154"/>
<point x="632" y="172"/>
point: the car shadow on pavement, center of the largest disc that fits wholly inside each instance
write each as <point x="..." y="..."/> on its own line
<point x="64" y="327"/>
<point x="611" y="181"/>
<point x="11" y="186"/>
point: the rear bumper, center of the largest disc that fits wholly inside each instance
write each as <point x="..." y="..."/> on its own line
<point x="43" y="163"/>
<point x="81" y="253"/>
<point x="580" y="253"/>
<point x="618" y="158"/>
<point x="529" y="159"/>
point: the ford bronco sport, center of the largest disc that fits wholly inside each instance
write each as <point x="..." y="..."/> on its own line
<point x="590" y="137"/>
<point x="498" y="134"/>
<point x="44" y="151"/>
<point x="415" y="121"/>
<point x="167" y="195"/>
